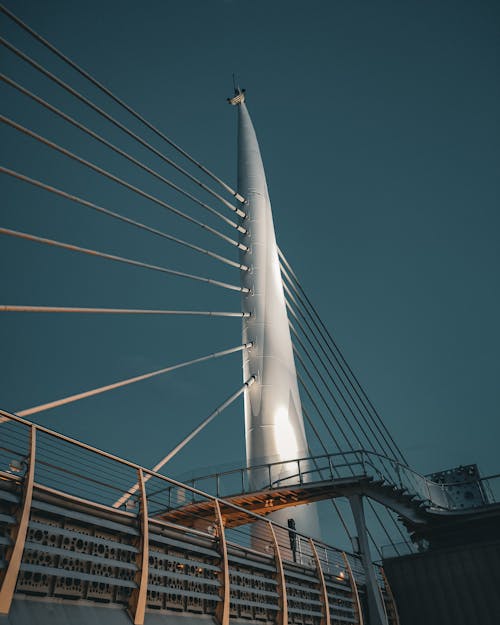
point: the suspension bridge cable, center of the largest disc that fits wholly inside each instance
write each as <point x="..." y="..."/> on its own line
<point x="337" y="509"/>
<point x="119" y="151"/>
<point x="404" y="537"/>
<point x="114" y="215"/>
<point x="119" y="181"/>
<point x="392" y="450"/>
<point x="119" y="125"/>
<point x="349" y="424"/>
<point x="336" y="403"/>
<point x="325" y="450"/>
<point x="139" y="378"/>
<point x="305" y="387"/>
<point x="116" y="99"/>
<point x="375" y="417"/>
<point x="318" y="356"/>
<point x="320" y="439"/>
<point x="118" y="311"/>
<point x="325" y="368"/>
<point x="320" y="414"/>
<point x="333" y="502"/>
<point x="384" y="528"/>
<point x="173" y="452"/>
<point x="300" y="307"/>
<point x="121" y="259"/>
<point x="334" y="350"/>
<point x="383" y="463"/>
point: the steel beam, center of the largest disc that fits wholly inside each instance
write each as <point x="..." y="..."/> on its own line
<point x="222" y="611"/>
<point x="18" y="537"/>
<point x="376" y="609"/>
<point x="280" y="578"/>
<point x="138" y="598"/>
<point x="354" y="588"/>
<point x="390" y="594"/>
<point x="324" y="593"/>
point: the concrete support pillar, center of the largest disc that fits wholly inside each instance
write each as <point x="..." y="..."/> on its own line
<point x="376" y="612"/>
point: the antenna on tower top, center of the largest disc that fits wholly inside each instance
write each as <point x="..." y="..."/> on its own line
<point x="239" y="94"/>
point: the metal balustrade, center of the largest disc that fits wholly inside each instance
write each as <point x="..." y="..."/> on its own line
<point x="62" y="539"/>
<point x="349" y="465"/>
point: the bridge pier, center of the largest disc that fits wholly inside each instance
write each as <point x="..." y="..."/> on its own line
<point x="376" y="610"/>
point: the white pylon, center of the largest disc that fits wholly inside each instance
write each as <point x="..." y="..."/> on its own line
<point x="274" y="426"/>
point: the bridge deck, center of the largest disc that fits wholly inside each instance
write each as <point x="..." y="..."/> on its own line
<point x="264" y="502"/>
<point x="270" y="500"/>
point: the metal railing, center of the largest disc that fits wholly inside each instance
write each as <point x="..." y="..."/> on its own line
<point x="88" y="474"/>
<point x="337" y="467"/>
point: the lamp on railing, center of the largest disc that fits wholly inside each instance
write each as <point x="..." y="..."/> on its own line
<point x="18" y="466"/>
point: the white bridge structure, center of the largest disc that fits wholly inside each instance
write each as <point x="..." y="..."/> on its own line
<point x="90" y="537"/>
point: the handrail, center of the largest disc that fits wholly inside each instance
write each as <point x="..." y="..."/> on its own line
<point x="170" y="481"/>
<point x="398" y="474"/>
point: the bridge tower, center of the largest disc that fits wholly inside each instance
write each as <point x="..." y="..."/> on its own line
<point x="274" y="424"/>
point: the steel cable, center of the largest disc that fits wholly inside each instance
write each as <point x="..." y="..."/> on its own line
<point x="333" y="502"/>
<point x="118" y="311"/>
<point x="119" y="151"/>
<point x="120" y="181"/>
<point x="337" y="353"/>
<point x="114" y="215"/>
<point x="119" y="125"/>
<point x="351" y="448"/>
<point x="370" y="443"/>
<point x="139" y="378"/>
<point x="300" y="306"/>
<point x="173" y="452"/>
<point x="120" y="259"/>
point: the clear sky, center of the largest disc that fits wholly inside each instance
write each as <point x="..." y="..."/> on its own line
<point x="379" y="128"/>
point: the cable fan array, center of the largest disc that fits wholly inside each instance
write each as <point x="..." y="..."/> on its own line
<point x="334" y="401"/>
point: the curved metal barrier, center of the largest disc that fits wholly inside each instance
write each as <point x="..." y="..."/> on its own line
<point x="61" y="540"/>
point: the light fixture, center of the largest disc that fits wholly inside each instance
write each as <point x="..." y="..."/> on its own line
<point x="16" y="466"/>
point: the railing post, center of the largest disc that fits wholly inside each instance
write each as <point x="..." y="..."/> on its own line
<point x="300" y="473"/>
<point x="280" y="578"/>
<point x="222" y="611"/>
<point x="354" y="589"/>
<point x="18" y="536"/>
<point x="137" y="601"/>
<point x="325" y="620"/>
<point x="388" y="589"/>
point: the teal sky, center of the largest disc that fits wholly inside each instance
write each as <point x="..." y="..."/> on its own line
<point x="379" y="128"/>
